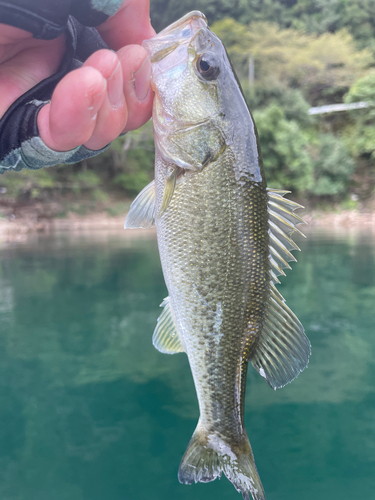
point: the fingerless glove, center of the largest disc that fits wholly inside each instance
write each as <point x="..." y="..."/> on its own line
<point x="20" y="144"/>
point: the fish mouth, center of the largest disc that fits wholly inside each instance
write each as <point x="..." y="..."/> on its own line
<point x="178" y="33"/>
<point x="188" y="18"/>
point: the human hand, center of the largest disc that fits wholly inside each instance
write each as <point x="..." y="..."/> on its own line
<point x="91" y="105"/>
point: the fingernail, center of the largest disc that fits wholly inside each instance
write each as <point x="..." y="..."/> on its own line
<point x="142" y="80"/>
<point x="115" y="87"/>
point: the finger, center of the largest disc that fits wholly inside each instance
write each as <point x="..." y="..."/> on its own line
<point x="112" y="115"/>
<point x="25" y="63"/>
<point x="130" y="25"/>
<point x="70" y="119"/>
<point x="10" y="34"/>
<point x="136" y="68"/>
<point x="118" y="112"/>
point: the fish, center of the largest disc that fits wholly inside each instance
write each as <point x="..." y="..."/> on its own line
<point x="224" y="238"/>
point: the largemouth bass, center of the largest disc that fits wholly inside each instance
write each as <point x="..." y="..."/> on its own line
<point x="223" y="240"/>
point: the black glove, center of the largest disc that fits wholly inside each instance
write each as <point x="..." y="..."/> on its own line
<point x="47" y="19"/>
<point x="20" y="144"/>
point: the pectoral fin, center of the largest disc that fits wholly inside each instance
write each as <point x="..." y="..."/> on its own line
<point x="142" y="210"/>
<point x="165" y="337"/>
<point x="170" y="184"/>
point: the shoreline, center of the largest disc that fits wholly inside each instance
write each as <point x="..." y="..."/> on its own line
<point x="19" y="229"/>
<point x="344" y="219"/>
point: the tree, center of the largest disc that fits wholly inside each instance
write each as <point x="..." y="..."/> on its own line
<point x="360" y="131"/>
<point x="333" y="167"/>
<point x="323" y="67"/>
<point x="284" y="150"/>
<point x="359" y="135"/>
<point x="165" y="12"/>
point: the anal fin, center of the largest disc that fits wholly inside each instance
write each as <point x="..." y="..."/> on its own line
<point x="165" y="337"/>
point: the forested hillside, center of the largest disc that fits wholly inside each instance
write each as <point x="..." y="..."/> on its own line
<point x="310" y="16"/>
<point x="290" y="55"/>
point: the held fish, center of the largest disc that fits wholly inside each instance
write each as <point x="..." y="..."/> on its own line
<point x="223" y="240"/>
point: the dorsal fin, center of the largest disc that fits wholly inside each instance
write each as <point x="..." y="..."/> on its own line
<point x="165" y="337"/>
<point x="283" y="350"/>
<point x="282" y="224"/>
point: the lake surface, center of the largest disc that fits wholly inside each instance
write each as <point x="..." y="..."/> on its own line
<point x="89" y="410"/>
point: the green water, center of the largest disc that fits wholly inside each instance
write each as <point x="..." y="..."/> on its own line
<point x="89" y="410"/>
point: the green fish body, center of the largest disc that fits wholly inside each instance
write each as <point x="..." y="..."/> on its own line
<point x="223" y="240"/>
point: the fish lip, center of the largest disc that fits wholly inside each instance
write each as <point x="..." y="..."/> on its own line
<point x="172" y="37"/>
<point x="183" y="21"/>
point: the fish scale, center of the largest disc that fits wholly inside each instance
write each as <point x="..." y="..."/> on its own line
<point x="223" y="238"/>
<point x="238" y="245"/>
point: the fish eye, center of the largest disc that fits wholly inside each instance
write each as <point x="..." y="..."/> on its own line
<point x="208" y="66"/>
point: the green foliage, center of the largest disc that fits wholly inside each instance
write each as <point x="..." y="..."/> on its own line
<point x="362" y="90"/>
<point x="316" y="16"/>
<point x="134" y="157"/>
<point x="310" y="16"/>
<point x="99" y="195"/>
<point x="307" y="164"/>
<point x="165" y="12"/>
<point x="292" y="102"/>
<point x="87" y="179"/>
<point x="360" y="138"/>
<point x="27" y="183"/>
<point x="333" y="167"/>
<point x="359" y="18"/>
<point x="118" y="209"/>
<point x="133" y="182"/>
<point x="284" y="150"/>
<point x="349" y="204"/>
<point x="360" y="132"/>
<point x="322" y="67"/>
<point x="305" y="52"/>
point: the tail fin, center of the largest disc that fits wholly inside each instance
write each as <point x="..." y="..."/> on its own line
<point x="207" y="457"/>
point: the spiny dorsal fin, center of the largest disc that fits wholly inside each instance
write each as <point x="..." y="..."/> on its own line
<point x="282" y="224"/>
<point x="142" y="210"/>
<point x="165" y="337"/>
<point x="283" y="349"/>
